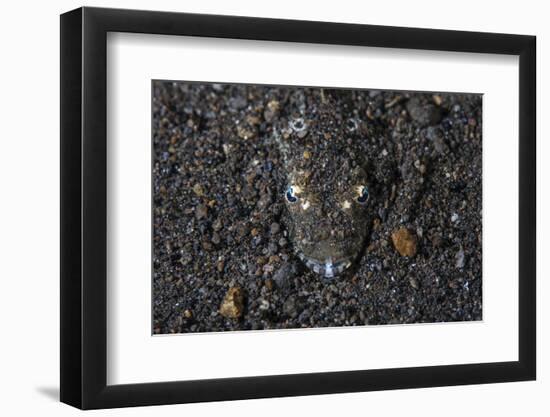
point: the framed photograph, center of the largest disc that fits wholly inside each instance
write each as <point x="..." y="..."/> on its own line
<point x="258" y="208"/>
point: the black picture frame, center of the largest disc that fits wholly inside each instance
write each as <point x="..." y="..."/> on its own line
<point x="84" y="207"/>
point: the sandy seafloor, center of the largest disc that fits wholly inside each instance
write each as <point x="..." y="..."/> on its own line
<point x="219" y="218"/>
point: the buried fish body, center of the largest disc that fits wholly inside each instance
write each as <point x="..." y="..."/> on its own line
<point x="327" y="188"/>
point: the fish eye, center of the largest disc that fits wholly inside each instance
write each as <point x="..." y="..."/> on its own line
<point x="298" y="124"/>
<point x="363" y="195"/>
<point x="352" y="125"/>
<point x="290" y="195"/>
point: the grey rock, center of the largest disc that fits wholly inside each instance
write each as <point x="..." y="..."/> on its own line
<point x="286" y="272"/>
<point x="423" y="114"/>
<point x="460" y="259"/>
<point x="435" y="134"/>
<point x="275" y="228"/>
<point x="289" y="307"/>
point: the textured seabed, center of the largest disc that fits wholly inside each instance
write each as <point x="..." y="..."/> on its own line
<point x="223" y="258"/>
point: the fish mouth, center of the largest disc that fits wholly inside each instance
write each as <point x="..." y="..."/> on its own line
<point x="329" y="268"/>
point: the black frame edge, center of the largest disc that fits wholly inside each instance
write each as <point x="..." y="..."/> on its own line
<point x="528" y="207"/>
<point x="232" y="389"/>
<point x="70" y="232"/>
<point x="83" y="208"/>
<point x="305" y="31"/>
<point x="94" y="208"/>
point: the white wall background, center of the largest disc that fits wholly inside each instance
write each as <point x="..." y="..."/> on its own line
<point x="29" y="210"/>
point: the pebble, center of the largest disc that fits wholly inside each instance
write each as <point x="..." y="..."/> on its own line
<point x="275" y="227"/>
<point x="246" y="132"/>
<point x="404" y="242"/>
<point x="435" y="134"/>
<point x="273" y="259"/>
<point x="217" y="225"/>
<point x="272" y="248"/>
<point x="198" y="190"/>
<point x="237" y="103"/>
<point x="232" y="305"/>
<point x="201" y="211"/>
<point x="289" y="307"/>
<point x="302" y="134"/>
<point x="272" y="110"/>
<point x="437" y="240"/>
<point x="423" y="114"/>
<point x="216" y="238"/>
<point x="460" y="258"/>
<point x="284" y="274"/>
<point x="414" y="283"/>
<point x="242" y="230"/>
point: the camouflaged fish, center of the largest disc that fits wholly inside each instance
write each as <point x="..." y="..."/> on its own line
<point x="327" y="187"/>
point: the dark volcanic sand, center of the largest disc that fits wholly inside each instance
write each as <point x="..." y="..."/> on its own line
<point x="220" y="217"/>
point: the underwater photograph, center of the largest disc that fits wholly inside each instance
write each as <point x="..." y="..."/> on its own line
<point x="287" y="207"/>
